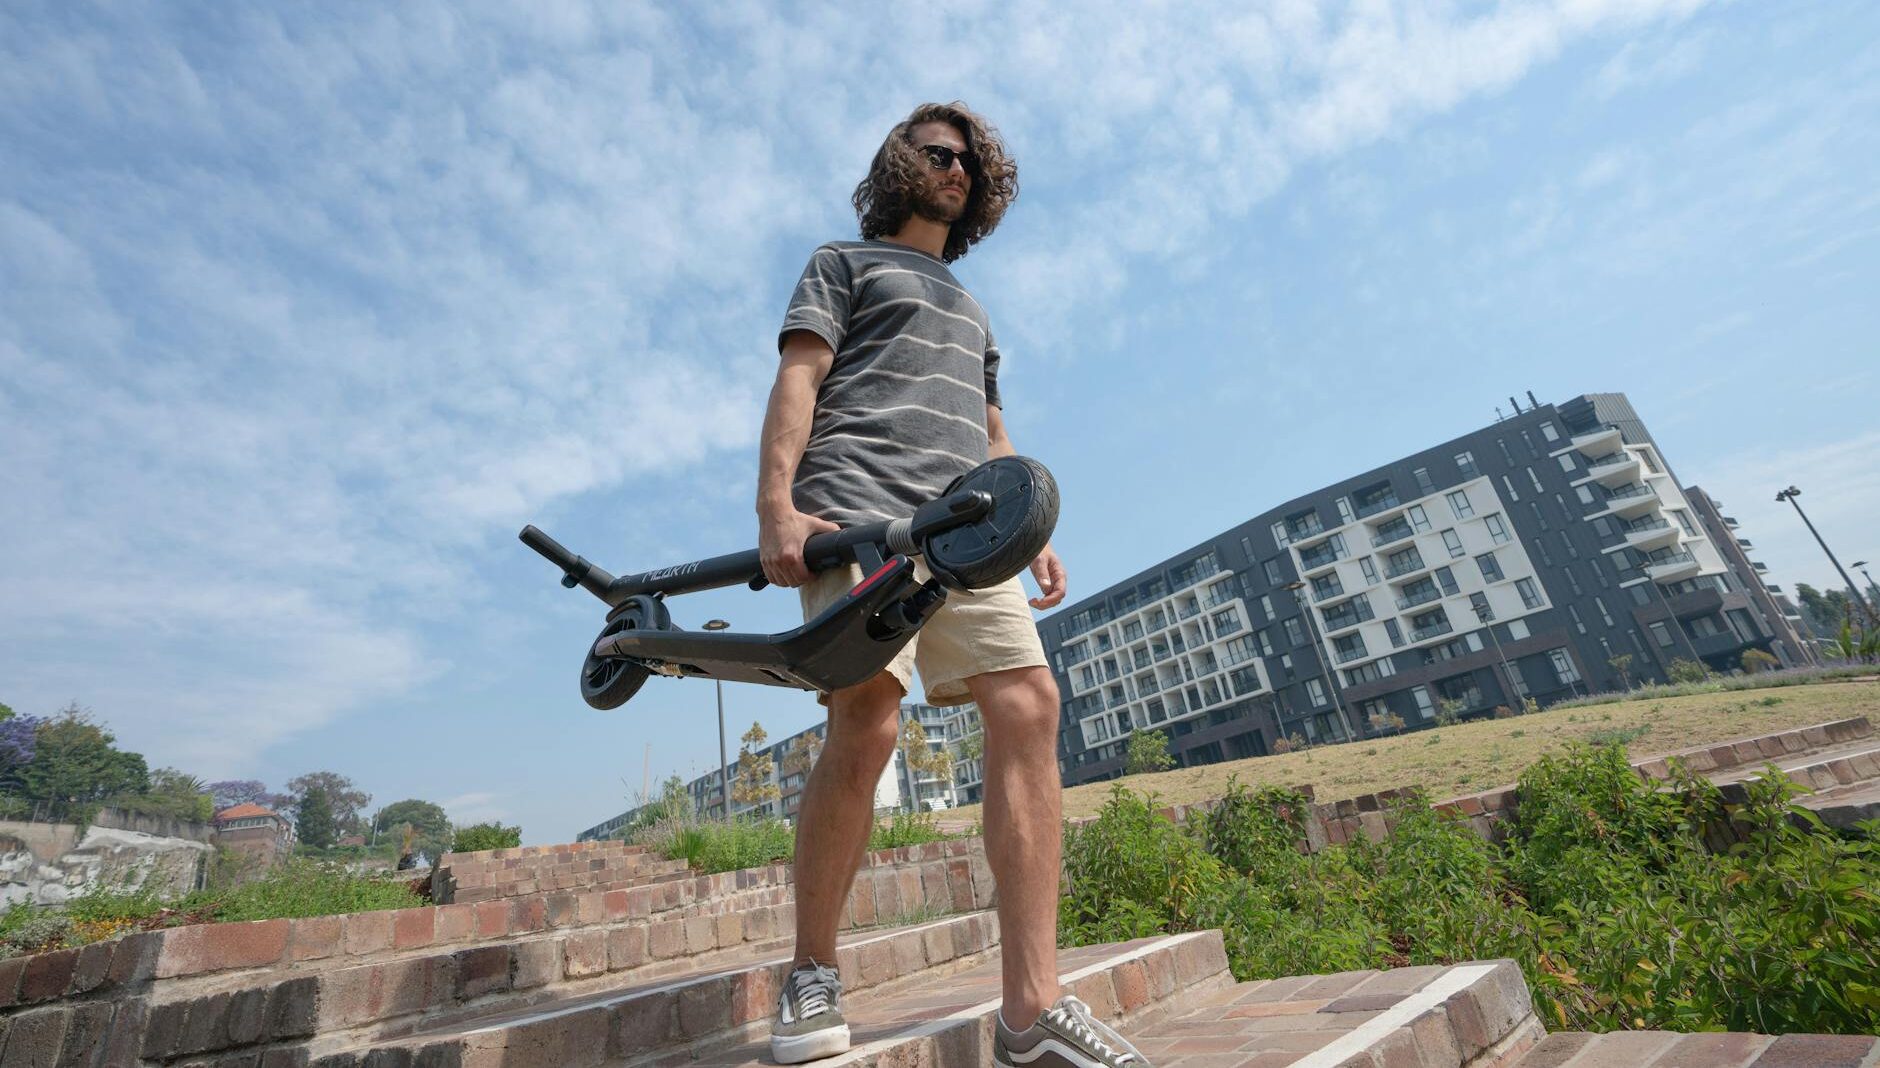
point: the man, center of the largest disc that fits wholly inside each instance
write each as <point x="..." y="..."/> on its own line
<point x="888" y="389"/>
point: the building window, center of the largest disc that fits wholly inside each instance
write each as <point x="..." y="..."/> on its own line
<point x="1419" y="519"/>
<point x="1563" y="667"/>
<point x="1423" y="480"/>
<point x="1459" y="504"/>
<point x="1266" y="605"/>
<point x="1600" y="603"/>
<point x="1506" y="456"/>
<point x="1578" y="624"/>
<point x="1662" y="633"/>
<point x="1548" y="432"/>
<point x="1508" y="484"/>
<point x="1573" y="581"/>
<point x="1573" y="551"/>
<point x="1370" y="570"/>
<point x="1534" y="478"/>
<point x="1540" y="550"/>
<point x="1396" y="633"/>
<point x="1684" y="520"/>
<point x="1601" y="525"/>
<point x="1425" y="707"/>
<point x="1295" y="634"/>
<point x="1539" y="519"/>
<point x="1497" y="529"/>
<point x="1226" y="621"/>
<point x="1515" y="677"/>
<point x="1315" y="690"/>
<point x="1279" y="538"/>
<point x="1651" y="463"/>
<point x="1530" y="594"/>
<point x="1447" y="579"/>
<point x="1274" y="575"/>
<point x="1465" y="463"/>
<point x="1491" y="568"/>
<point x="1566" y="464"/>
<point x="1453" y="543"/>
<point x="1517" y="629"/>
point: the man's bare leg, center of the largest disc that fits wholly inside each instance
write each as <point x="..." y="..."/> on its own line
<point x="838" y="809"/>
<point x="1024" y="836"/>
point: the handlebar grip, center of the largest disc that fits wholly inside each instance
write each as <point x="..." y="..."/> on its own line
<point x="553" y="551"/>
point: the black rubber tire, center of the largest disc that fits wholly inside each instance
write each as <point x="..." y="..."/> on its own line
<point x="1004" y="543"/>
<point x="608" y="683"/>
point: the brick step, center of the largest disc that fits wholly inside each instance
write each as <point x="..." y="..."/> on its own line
<point x="1476" y="1014"/>
<point x="1665" y="1049"/>
<point x="617" y="874"/>
<point x="706" y="1003"/>
<point x="398" y="994"/>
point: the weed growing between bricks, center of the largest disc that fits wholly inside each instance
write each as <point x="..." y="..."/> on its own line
<point x="1627" y="907"/>
<point x="711" y="846"/>
<point x="298" y="888"/>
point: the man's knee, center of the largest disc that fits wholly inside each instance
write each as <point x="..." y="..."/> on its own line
<point x="1022" y="702"/>
<point x="864" y="723"/>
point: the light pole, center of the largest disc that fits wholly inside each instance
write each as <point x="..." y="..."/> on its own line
<point x="1486" y="617"/>
<point x="724" y="770"/>
<point x="1318" y="653"/>
<point x="1861" y="566"/>
<point x="1789" y="495"/>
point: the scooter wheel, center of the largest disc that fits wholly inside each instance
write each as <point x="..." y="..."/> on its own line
<point x="609" y="682"/>
<point x="1007" y="539"/>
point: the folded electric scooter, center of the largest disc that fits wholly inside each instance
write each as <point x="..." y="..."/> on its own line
<point x="987" y="527"/>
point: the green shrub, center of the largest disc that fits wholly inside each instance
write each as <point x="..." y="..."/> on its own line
<point x="1755" y="661"/>
<point x="1130" y="870"/>
<point x="1684" y="671"/>
<point x="483" y="836"/>
<point x="905" y="829"/>
<point x="1147" y="752"/>
<point x="300" y="888"/>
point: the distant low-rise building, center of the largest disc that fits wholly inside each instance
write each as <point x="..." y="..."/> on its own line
<point x="254" y="830"/>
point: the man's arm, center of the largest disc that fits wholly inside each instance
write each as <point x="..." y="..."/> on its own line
<point x="781" y="529"/>
<point x="1047" y="569"/>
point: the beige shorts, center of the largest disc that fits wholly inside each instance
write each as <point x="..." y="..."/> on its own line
<point x="973" y="633"/>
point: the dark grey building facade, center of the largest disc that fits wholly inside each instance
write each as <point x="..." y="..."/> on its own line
<point x="1523" y="560"/>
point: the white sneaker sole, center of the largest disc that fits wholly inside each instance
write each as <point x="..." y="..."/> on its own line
<point x="795" y="1049"/>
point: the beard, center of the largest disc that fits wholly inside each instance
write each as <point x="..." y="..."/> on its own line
<point x="929" y="205"/>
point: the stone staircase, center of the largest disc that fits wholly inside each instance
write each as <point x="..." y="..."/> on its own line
<point x="599" y="954"/>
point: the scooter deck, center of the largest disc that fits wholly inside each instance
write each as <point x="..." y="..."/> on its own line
<point x="847" y="643"/>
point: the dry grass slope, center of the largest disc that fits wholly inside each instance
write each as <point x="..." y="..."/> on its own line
<point x="1448" y="761"/>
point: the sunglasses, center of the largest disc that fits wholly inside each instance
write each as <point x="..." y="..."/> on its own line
<point x="941" y="158"/>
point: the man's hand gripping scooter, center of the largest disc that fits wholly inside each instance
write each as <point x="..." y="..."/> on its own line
<point x="987" y="527"/>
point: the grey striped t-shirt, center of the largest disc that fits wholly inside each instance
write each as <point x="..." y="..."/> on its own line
<point x="903" y="408"/>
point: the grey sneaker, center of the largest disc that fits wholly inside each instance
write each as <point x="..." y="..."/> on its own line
<point x="809" y="1016"/>
<point x="1066" y="1036"/>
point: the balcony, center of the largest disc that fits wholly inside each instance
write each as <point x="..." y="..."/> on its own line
<point x="1393" y="531"/>
<point x="1217" y="600"/>
<point x="1337" y="621"/>
<point x="1425" y="633"/>
<point x="1319" y="556"/>
<point x="1304" y="527"/>
<point x="1614" y="469"/>
<point x="1629" y="502"/>
<point x="1405" y="565"/>
<point x="1327" y="587"/>
<point x="1346" y="656"/>
<point x="1422" y="596"/>
<point x="1670" y="567"/>
<point x="1371" y="507"/>
<point x="1598" y="442"/>
<point x="1652" y="533"/>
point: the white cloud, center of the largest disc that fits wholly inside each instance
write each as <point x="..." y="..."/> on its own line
<point x="300" y="316"/>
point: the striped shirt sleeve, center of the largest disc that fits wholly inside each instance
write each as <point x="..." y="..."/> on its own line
<point x="992" y="372"/>
<point x="820" y="304"/>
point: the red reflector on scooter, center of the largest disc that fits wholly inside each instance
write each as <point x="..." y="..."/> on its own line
<point x="872" y="579"/>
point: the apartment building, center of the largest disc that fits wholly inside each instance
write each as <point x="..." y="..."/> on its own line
<point x="1527" y="559"/>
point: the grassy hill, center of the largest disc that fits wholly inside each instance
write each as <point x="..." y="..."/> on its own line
<point x="1462" y="759"/>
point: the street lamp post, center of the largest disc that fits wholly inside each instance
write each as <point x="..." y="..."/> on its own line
<point x="1789" y="495"/>
<point x="1486" y="616"/>
<point x="724" y="770"/>
<point x="1861" y="566"/>
<point x="1318" y="653"/>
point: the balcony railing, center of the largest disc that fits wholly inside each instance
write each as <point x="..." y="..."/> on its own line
<point x="1376" y="505"/>
<point x="1636" y="489"/>
<point x="1439" y="627"/>
<point x="1642" y="525"/>
<point x="1411" y="600"/>
<point x="1218" y="600"/>
<point x="1405" y="566"/>
<point x="1319" y="556"/>
<point x="1343" y="620"/>
<point x="1144" y="689"/>
<point x="1325" y="591"/>
<point x="1395" y="532"/>
<point x="1683" y="556"/>
<point x="1346" y="656"/>
<point x="1611" y="459"/>
<point x="1188" y="611"/>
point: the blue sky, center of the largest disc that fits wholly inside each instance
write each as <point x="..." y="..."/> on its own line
<point x="305" y="311"/>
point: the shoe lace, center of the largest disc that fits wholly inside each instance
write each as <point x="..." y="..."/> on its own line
<point x="1073" y="1015"/>
<point x="815" y="988"/>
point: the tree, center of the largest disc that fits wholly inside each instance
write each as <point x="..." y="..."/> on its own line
<point x="1682" y="670"/>
<point x="74" y="766"/>
<point x="430" y="826"/>
<point x="345" y="799"/>
<point x="923" y="759"/>
<point x="1148" y="751"/>
<point x="1623" y="665"/>
<point x="1755" y="661"/>
<point x="1823" y="610"/>
<point x="314" y="820"/>
<point x="172" y="793"/>
<point x="801" y="758"/>
<point x="753" y="785"/>
<point x="231" y="792"/>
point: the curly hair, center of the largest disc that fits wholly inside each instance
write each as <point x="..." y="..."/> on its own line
<point x="885" y="199"/>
